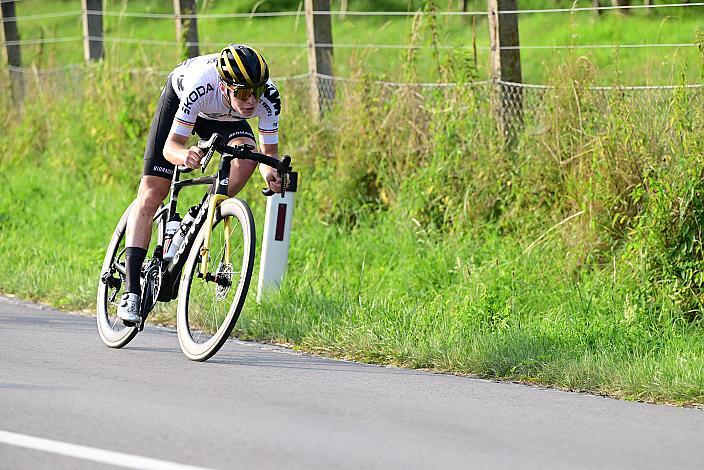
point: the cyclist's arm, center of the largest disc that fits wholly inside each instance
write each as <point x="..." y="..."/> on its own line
<point x="269" y="134"/>
<point x="175" y="151"/>
<point x="270" y="175"/>
<point x="270" y="149"/>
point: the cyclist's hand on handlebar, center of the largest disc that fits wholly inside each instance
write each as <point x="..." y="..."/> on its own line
<point x="273" y="179"/>
<point x="194" y="157"/>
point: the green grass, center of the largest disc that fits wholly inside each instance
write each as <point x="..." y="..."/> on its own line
<point x="615" y="65"/>
<point x="574" y="260"/>
<point x="475" y="306"/>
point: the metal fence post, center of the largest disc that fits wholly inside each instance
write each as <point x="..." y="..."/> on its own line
<point x="12" y="45"/>
<point x="319" y="27"/>
<point x="187" y="28"/>
<point x="506" y="66"/>
<point x="93" y="30"/>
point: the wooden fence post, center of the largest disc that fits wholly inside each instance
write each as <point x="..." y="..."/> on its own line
<point x="319" y="28"/>
<point x="14" y="57"/>
<point x="93" y="30"/>
<point x="506" y="66"/>
<point x="596" y="5"/>
<point x="622" y="3"/>
<point x="187" y="28"/>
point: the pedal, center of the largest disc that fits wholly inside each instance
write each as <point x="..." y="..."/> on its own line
<point x="130" y="324"/>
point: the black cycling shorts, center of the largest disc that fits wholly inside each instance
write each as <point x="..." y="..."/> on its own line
<point x="154" y="162"/>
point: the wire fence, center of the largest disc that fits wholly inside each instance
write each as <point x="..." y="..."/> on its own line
<point x="528" y="107"/>
<point x="650" y="112"/>
<point x="524" y="105"/>
<point x="255" y="14"/>
<point x="338" y="13"/>
<point x="302" y="45"/>
<point x="651" y="107"/>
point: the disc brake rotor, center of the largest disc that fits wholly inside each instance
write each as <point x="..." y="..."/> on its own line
<point x="224" y="280"/>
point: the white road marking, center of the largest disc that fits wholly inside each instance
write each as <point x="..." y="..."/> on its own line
<point x="91" y="453"/>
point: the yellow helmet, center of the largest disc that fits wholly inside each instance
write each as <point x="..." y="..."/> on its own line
<point x="242" y="66"/>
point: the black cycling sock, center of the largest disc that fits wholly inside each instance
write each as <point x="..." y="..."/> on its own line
<point x="134" y="257"/>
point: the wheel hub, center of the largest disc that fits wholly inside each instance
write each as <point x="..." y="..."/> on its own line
<point x="223" y="279"/>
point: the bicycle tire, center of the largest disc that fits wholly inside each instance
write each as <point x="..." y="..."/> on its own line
<point x="201" y="322"/>
<point x="112" y="332"/>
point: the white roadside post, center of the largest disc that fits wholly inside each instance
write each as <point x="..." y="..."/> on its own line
<point x="276" y="239"/>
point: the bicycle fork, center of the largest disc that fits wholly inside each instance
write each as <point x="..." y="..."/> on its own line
<point x="215" y="202"/>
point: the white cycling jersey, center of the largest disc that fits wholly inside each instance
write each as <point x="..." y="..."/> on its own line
<point x="195" y="81"/>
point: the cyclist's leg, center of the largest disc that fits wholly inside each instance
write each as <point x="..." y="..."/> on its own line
<point x="153" y="188"/>
<point x="152" y="191"/>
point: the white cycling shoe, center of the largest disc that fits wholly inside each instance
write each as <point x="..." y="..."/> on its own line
<point x="128" y="311"/>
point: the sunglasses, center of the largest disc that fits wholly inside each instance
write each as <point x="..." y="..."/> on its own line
<point x="242" y="93"/>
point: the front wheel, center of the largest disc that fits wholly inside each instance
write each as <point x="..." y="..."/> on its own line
<point x="209" y="306"/>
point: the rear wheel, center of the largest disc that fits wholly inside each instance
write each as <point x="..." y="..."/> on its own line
<point x="208" y="307"/>
<point x="111" y="284"/>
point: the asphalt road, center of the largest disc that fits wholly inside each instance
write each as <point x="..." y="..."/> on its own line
<point x="257" y="406"/>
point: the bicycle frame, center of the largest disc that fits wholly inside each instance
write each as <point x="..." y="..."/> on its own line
<point x="172" y="269"/>
<point x="213" y="199"/>
<point x="213" y="202"/>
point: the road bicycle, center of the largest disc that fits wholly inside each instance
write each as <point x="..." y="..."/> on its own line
<point x="207" y="263"/>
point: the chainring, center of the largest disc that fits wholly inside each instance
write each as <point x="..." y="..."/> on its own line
<point x="151" y="284"/>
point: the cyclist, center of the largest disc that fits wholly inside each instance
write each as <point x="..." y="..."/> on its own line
<point x="202" y="95"/>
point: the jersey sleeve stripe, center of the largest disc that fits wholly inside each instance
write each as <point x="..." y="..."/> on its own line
<point x="185" y="123"/>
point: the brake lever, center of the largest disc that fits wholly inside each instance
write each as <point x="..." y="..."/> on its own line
<point x="206" y="159"/>
<point x="284" y="183"/>
<point x="204" y="144"/>
<point x="211" y="145"/>
<point x="284" y="168"/>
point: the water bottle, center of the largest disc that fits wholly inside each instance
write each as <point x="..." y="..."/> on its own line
<point x="181" y="231"/>
<point x="172" y="227"/>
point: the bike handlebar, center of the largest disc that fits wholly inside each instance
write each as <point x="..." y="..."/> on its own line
<point x="244" y="151"/>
